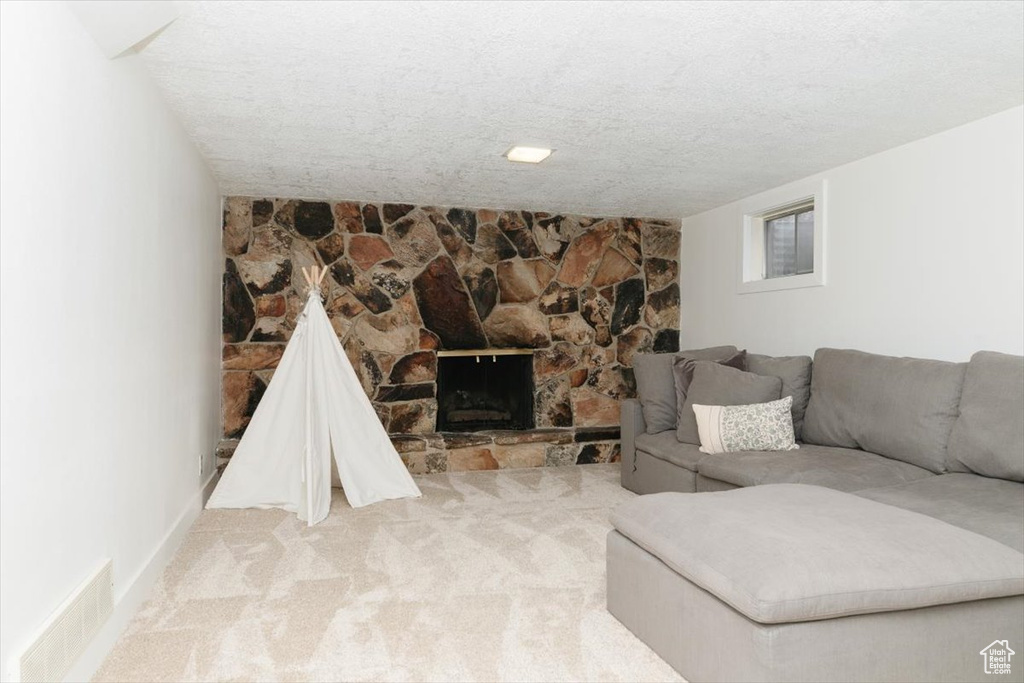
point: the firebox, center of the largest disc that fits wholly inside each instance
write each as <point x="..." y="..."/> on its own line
<point x="479" y="390"/>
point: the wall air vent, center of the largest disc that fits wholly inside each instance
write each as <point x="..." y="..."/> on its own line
<point x="68" y="632"/>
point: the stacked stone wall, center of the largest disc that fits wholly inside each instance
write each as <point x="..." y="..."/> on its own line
<point x="587" y="293"/>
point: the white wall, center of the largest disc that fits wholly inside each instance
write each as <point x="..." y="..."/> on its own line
<point x="925" y="256"/>
<point x="109" y="340"/>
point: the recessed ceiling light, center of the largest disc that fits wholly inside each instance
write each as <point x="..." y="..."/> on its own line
<point x="528" y="155"/>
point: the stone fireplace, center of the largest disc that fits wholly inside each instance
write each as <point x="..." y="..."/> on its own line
<point x="412" y="287"/>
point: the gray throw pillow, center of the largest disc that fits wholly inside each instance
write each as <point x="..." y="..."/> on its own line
<point x="656" y="388"/>
<point x="795" y="373"/>
<point x="718" y="385"/>
<point x="682" y="371"/>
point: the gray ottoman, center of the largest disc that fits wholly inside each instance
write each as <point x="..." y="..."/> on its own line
<point x="790" y="582"/>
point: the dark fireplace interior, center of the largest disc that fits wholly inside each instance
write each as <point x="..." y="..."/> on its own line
<point x="484" y="392"/>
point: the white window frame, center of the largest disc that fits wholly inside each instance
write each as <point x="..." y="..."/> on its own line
<point x="752" y="235"/>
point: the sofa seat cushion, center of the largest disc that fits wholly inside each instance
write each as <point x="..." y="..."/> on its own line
<point x="665" y="446"/>
<point x="789" y="552"/>
<point x="990" y="507"/>
<point x="844" y="469"/>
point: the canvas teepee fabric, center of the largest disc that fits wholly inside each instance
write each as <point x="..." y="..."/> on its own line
<point x="314" y="405"/>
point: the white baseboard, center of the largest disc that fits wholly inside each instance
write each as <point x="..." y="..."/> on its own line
<point x="135" y="591"/>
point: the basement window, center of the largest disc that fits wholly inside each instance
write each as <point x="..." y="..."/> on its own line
<point x="789" y="241"/>
<point x="782" y="242"/>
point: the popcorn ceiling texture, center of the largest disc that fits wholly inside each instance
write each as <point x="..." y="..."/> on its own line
<point x="587" y="293"/>
<point x="654" y="109"/>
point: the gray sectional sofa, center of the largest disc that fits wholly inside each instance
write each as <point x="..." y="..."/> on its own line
<point x="888" y="547"/>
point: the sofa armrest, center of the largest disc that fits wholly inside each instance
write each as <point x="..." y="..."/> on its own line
<point x="632" y="420"/>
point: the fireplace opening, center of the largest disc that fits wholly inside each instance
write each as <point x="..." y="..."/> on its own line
<point x="485" y="391"/>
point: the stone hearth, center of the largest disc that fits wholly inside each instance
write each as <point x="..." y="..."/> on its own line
<point x="494" y="449"/>
<point x="586" y="293"/>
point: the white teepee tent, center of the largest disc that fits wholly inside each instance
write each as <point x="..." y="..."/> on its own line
<point x="313" y="405"/>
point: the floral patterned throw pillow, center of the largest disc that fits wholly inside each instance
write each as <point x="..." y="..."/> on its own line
<point x="755" y="427"/>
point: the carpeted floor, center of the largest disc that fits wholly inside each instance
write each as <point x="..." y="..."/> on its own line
<point x="490" y="576"/>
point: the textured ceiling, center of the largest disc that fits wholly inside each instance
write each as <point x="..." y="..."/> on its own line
<point x="661" y="109"/>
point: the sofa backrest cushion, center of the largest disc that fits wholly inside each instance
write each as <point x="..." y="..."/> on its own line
<point x="719" y="385"/>
<point x="988" y="437"/>
<point x="655" y="386"/>
<point x="902" y="408"/>
<point x="795" y="373"/>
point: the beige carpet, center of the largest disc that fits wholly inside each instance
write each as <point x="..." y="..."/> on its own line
<point x="490" y="576"/>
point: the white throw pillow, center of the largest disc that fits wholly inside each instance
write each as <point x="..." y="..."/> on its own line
<point x="755" y="427"/>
